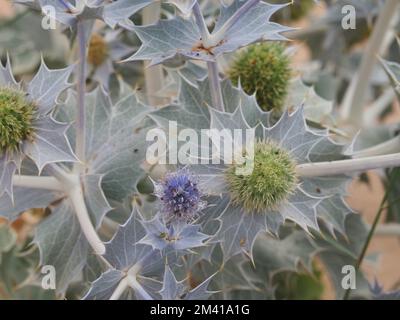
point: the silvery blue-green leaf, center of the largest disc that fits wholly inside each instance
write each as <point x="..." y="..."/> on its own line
<point x="181" y="37"/>
<point x="200" y="292"/>
<point x="177" y="290"/>
<point x="25" y="200"/>
<point x="272" y="255"/>
<point x="239" y="229"/>
<point x="316" y="108"/>
<point x="185" y="6"/>
<point x="343" y="250"/>
<point x="47" y="85"/>
<point x="176" y="235"/>
<point x="228" y="278"/>
<point x="62" y="244"/>
<point x="103" y="287"/>
<point x="115" y="139"/>
<point x="231" y="121"/>
<point x="49" y="143"/>
<point x="235" y="97"/>
<point x="124" y="249"/>
<point x="6" y="75"/>
<point x="250" y="27"/>
<point x="192" y="73"/>
<point x="95" y="199"/>
<point x="68" y="12"/>
<point x="191" y="112"/>
<point x="171" y="289"/>
<point x="119" y="11"/>
<point x="125" y="254"/>
<point x="167" y="39"/>
<point x="292" y="133"/>
<point x="7" y="169"/>
<point x="393" y="71"/>
<point x="95" y="266"/>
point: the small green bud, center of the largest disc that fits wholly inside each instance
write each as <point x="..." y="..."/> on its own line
<point x="265" y="69"/>
<point x="16" y="114"/>
<point x="271" y="182"/>
<point x="98" y="50"/>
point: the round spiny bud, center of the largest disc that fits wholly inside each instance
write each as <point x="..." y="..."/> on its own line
<point x="265" y="69"/>
<point x="180" y="195"/>
<point x="271" y="182"/>
<point x="98" y="50"/>
<point x="16" y="114"/>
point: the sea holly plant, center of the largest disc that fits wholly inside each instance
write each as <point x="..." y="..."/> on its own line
<point x="233" y="188"/>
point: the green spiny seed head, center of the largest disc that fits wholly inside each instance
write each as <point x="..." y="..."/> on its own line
<point x="16" y="114"/>
<point x="271" y="182"/>
<point x="98" y="50"/>
<point x="265" y="69"/>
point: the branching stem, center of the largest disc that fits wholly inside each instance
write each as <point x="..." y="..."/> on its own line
<point x="215" y="38"/>
<point x="78" y="201"/>
<point x="120" y="289"/>
<point x="205" y="35"/>
<point x="215" y="86"/>
<point x="348" y="166"/>
<point x="34" y="182"/>
<point x="81" y="91"/>
<point x="72" y="187"/>
<point x="354" y="99"/>
<point x="153" y="75"/>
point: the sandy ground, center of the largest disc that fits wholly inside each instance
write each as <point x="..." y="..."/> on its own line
<point x="364" y="199"/>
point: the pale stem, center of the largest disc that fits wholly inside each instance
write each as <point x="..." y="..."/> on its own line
<point x="78" y="202"/>
<point x="392" y="229"/>
<point x="72" y="187"/>
<point x="215" y="86"/>
<point x="66" y="179"/>
<point x="131" y="281"/>
<point x="139" y="290"/>
<point x="200" y="22"/>
<point x="353" y="102"/>
<point x="347" y="166"/>
<point x="120" y="289"/>
<point x="81" y="91"/>
<point x="219" y="35"/>
<point x="387" y="147"/>
<point x="47" y="183"/>
<point x="153" y="75"/>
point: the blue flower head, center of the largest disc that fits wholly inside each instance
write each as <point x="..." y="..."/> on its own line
<point x="180" y="195"/>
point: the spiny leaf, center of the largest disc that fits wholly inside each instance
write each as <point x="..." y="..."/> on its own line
<point x="62" y="244"/>
<point x="46" y="86"/>
<point x="49" y="144"/>
<point x="178" y="36"/>
<point x="175" y="290"/>
<point x="24" y="200"/>
<point x="120" y="11"/>
<point x="178" y="235"/>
